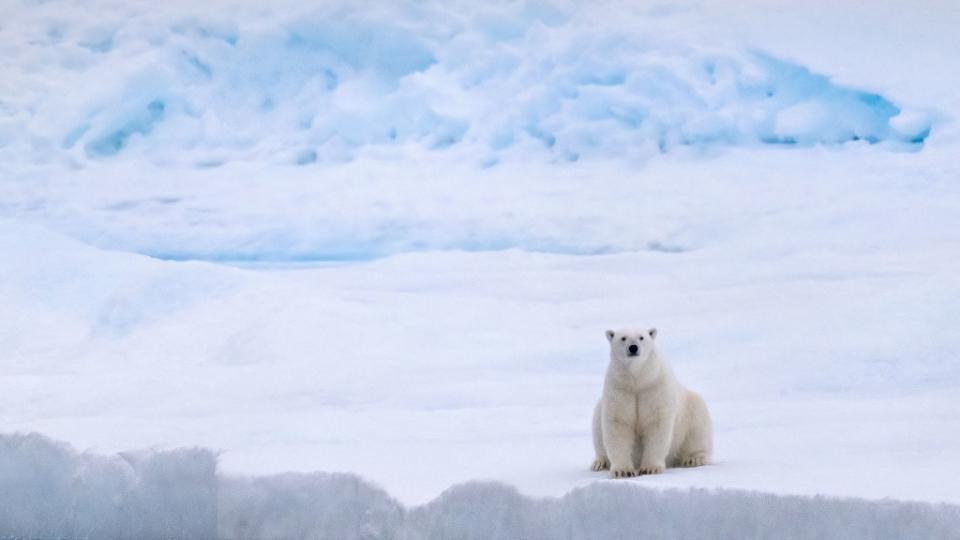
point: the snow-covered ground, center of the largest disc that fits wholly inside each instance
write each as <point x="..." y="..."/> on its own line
<point x="388" y="240"/>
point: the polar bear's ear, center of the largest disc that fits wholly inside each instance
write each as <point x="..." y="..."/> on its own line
<point x="610" y="334"/>
<point x="653" y="333"/>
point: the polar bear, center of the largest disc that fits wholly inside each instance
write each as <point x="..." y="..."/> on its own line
<point x="645" y="415"/>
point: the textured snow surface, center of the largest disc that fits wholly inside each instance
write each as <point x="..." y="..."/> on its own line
<point x="300" y="85"/>
<point x="236" y="131"/>
<point x="48" y="490"/>
<point x="343" y="506"/>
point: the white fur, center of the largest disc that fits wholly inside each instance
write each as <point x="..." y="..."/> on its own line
<point x="646" y="420"/>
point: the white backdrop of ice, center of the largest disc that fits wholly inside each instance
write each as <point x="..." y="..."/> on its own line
<point x="809" y="290"/>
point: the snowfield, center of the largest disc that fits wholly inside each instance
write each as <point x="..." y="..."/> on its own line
<point x="424" y="370"/>
<point x="386" y="241"/>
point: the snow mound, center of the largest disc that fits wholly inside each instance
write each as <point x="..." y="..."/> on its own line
<point x="301" y="86"/>
<point x="622" y="510"/>
<point x="319" y="505"/>
<point x="48" y="490"/>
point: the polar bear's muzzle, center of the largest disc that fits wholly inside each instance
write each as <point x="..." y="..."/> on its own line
<point x="632" y="350"/>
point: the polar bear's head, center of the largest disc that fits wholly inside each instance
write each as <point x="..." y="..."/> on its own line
<point x="631" y="345"/>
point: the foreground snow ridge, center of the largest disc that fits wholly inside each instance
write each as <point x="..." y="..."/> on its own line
<point x="48" y="490"/>
<point x="329" y="84"/>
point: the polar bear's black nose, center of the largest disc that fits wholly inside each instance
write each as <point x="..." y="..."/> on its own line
<point x="632" y="349"/>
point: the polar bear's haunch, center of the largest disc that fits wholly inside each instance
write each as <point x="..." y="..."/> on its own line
<point x="646" y="420"/>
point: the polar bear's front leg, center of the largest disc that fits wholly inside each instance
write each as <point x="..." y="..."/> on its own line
<point x="618" y="439"/>
<point x="657" y="437"/>
<point x="601" y="462"/>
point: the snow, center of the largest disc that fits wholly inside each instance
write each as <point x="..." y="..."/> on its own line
<point x="340" y="82"/>
<point x="495" y="511"/>
<point x="48" y="490"/>
<point x="423" y="370"/>
<point x="386" y="241"/>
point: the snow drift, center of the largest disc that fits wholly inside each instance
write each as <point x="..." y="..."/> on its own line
<point x="328" y="84"/>
<point x="48" y="490"/>
<point x="230" y="131"/>
<point x="343" y="506"/>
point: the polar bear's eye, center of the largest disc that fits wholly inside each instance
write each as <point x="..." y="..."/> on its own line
<point x="624" y="338"/>
<point x="641" y="338"/>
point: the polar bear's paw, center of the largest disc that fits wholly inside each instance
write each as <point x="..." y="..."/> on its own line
<point x="650" y="469"/>
<point x="695" y="460"/>
<point x="617" y="472"/>
<point x="600" y="464"/>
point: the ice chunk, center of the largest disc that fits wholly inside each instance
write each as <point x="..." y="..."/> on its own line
<point x="48" y="490"/>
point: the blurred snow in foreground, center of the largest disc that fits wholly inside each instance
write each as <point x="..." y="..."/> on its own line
<point x="47" y="490"/>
